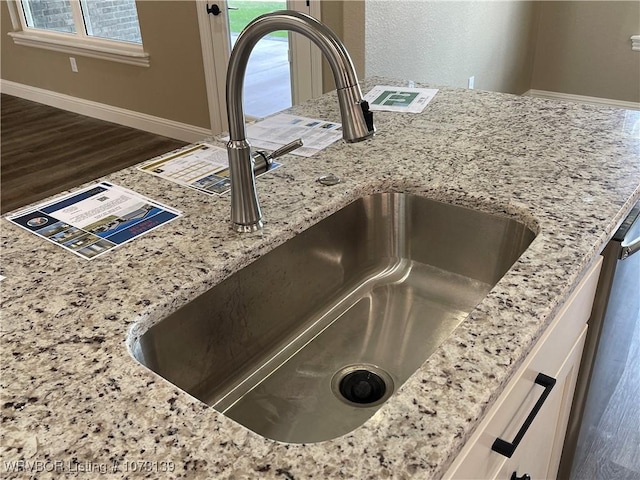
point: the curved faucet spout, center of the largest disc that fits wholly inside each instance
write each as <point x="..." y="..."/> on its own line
<point x="357" y="122"/>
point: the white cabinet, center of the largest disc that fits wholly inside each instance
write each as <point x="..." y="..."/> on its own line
<point x="538" y="455"/>
<point x="557" y="355"/>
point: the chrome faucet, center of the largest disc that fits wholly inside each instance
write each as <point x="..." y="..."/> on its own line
<point x="357" y="120"/>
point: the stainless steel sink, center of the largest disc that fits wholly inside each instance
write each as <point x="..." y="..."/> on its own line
<point x="306" y="343"/>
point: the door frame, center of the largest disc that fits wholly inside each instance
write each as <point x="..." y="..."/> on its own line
<point x="306" y="71"/>
<point x="305" y="57"/>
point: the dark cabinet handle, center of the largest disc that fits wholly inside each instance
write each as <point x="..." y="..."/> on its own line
<point x="526" y="476"/>
<point x="507" y="448"/>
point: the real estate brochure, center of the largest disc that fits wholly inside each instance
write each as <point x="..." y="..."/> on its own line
<point x="203" y="167"/>
<point x="279" y="130"/>
<point x="94" y="220"/>
<point x="399" y="99"/>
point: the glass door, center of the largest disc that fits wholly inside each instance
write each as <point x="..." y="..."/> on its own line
<point x="284" y="68"/>
<point x="267" y="84"/>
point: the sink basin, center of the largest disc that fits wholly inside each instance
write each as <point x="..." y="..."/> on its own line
<point x="306" y="343"/>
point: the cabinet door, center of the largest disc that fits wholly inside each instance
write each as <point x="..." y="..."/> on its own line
<point x="538" y="455"/>
<point x="556" y="354"/>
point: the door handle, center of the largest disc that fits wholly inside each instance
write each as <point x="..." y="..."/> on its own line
<point x="215" y="9"/>
<point x="507" y="448"/>
<point x="630" y="248"/>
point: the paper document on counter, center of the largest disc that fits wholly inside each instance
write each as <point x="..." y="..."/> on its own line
<point x="279" y="130"/>
<point x="203" y="167"/>
<point x="399" y="99"/>
<point x="94" y="220"/>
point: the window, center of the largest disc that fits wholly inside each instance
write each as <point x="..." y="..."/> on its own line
<point x="105" y="29"/>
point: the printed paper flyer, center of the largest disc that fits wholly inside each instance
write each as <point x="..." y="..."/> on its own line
<point x="275" y="132"/>
<point x="399" y="99"/>
<point x="94" y="220"/>
<point x="203" y="167"/>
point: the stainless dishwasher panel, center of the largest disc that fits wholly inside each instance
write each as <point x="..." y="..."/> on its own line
<point x="618" y="286"/>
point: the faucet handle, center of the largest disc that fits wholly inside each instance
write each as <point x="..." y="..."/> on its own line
<point x="263" y="160"/>
<point x="288" y="148"/>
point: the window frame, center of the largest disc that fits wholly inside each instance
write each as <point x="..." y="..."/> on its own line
<point x="78" y="43"/>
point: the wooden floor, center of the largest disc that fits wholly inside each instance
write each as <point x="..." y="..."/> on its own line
<point x="46" y="151"/>
<point x="609" y="441"/>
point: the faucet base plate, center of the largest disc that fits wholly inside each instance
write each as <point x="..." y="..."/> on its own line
<point x="254" y="227"/>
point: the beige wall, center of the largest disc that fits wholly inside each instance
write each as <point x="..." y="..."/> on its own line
<point x="579" y="47"/>
<point x="445" y="43"/>
<point x="574" y="47"/>
<point x="173" y="87"/>
<point x="346" y="19"/>
<point x="584" y="48"/>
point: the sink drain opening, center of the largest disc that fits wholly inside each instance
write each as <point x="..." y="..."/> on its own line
<point x="362" y="385"/>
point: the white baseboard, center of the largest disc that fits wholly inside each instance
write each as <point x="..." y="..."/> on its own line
<point x="101" y="111"/>
<point x="583" y="99"/>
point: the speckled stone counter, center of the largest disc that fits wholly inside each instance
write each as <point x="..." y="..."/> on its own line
<point x="75" y="403"/>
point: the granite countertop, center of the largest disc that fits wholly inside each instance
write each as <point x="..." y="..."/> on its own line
<point x="75" y="403"/>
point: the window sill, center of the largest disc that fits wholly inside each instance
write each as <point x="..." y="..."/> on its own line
<point x="121" y="52"/>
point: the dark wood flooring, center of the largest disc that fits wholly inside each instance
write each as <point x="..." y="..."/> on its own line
<point x="46" y="150"/>
<point x="609" y="442"/>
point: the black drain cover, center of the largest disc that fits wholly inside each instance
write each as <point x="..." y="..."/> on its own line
<point x="362" y="387"/>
